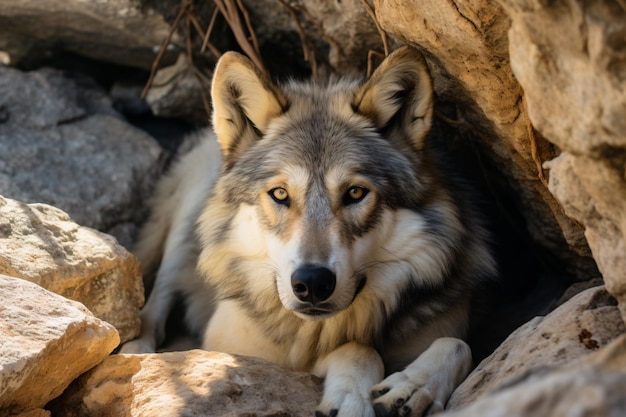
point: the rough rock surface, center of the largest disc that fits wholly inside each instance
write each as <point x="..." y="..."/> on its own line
<point x="36" y="412"/>
<point x="350" y="31"/>
<point x="178" y="93"/>
<point x="46" y="341"/>
<point x="570" y="58"/>
<point x="119" y="31"/>
<point x="465" y="42"/>
<point x="194" y="382"/>
<point x="42" y="244"/>
<point x="61" y="143"/>
<point x="587" y="322"/>
<point x="591" y="386"/>
<point x="341" y="31"/>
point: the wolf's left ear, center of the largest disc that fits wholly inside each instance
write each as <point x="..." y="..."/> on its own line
<point x="399" y="93"/>
<point x="244" y="101"/>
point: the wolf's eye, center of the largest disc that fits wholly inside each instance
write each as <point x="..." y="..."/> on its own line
<point x="279" y="195"/>
<point x="354" y="195"/>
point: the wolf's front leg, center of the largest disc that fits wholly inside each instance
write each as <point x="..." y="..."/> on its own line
<point x="349" y="371"/>
<point x="423" y="387"/>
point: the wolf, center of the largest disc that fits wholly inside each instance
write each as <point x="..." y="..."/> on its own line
<point x="318" y="226"/>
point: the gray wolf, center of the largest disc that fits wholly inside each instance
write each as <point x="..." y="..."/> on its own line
<point x="322" y="232"/>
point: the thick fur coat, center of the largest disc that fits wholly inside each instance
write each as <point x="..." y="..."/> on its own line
<point x="325" y="233"/>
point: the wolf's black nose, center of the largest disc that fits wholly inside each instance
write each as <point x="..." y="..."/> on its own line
<point x="312" y="283"/>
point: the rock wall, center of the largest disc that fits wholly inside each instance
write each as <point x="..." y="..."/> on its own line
<point x="41" y="244"/>
<point x="62" y="143"/>
<point x="570" y="59"/>
<point x="47" y="341"/>
<point x="31" y="30"/>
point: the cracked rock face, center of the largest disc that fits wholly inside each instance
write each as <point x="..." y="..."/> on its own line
<point x="63" y="144"/>
<point x="193" y="382"/>
<point x="586" y="323"/>
<point x="570" y="59"/>
<point x="40" y="243"/>
<point x="46" y="341"/>
<point x="33" y="29"/>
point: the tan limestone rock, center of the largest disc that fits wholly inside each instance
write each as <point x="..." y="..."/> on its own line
<point x="194" y="382"/>
<point x="36" y="412"/>
<point x="42" y="244"/>
<point x="46" y="341"/>
<point x="591" y="386"/>
<point x="584" y="324"/>
<point x="570" y="58"/>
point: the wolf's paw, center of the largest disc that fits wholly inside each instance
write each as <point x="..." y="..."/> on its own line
<point x="345" y="404"/>
<point x="141" y="345"/>
<point x="423" y="387"/>
<point x="398" y="395"/>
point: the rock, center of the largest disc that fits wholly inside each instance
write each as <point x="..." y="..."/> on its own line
<point x="592" y="386"/>
<point x="179" y="93"/>
<point x="43" y="245"/>
<point x="587" y="322"/>
<point x="62" y="144"/>
<point x="466" y="45"/>
<point x="350" y="31"/>
<point x="569" y="56"/>
<point x="125" y="32"/>
<point x="193" y="382"/>
<point x="47" y="341"/>
<point x="36" y="412"/>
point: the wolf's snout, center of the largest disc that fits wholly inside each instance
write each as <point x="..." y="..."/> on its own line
<point x="313" y="284"/>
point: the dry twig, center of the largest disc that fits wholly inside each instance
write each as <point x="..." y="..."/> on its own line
<point x="185" y="4"/>
<point x="383" y="37"/>
<point x="230" y="9"/>
<point x="205" y="42"/>
<point x="307" y="49"/>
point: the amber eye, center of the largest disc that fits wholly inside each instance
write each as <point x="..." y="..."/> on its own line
<point x="280" y="195"/>
<point x="354" y="195"/>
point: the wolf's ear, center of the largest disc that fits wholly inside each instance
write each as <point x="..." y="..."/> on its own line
<point x="399" y="93"/>
<point x="244" y="101"/>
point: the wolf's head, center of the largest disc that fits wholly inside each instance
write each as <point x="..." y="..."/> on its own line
<point x="320" y="183"/>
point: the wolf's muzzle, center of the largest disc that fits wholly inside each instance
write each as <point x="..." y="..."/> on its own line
<point x="313" y="284"/>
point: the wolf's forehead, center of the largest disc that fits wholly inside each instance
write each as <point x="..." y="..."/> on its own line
<point x="332" y="178"/>
<point x="333" y="98"/>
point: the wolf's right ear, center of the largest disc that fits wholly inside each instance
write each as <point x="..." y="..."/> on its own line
<point x="244" y="101"/>
<point x="399" y="94"/>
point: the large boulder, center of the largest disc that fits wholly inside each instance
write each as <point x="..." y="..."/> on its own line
<point x="47" y="341"/>
<point x="586" y="323"/>
<point x="591" y="386"/>
<point x="42" y="244"/>
<point x="569" y="57"/>
<point x="61" y="143"/>
<point x="192" y="382"/>
<point x="119" y="31"/>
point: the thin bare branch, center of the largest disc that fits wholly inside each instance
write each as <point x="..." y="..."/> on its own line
<point x="206" y="43"/>
<point x="155" y="64"/>
<point x="381" y="32"/>
<point x="318" y="28"/>
<point x="230" y="12"/>
<point x="307" y="49"/>
<point x="251" y="34"/>
<point x="370" y="60"/>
